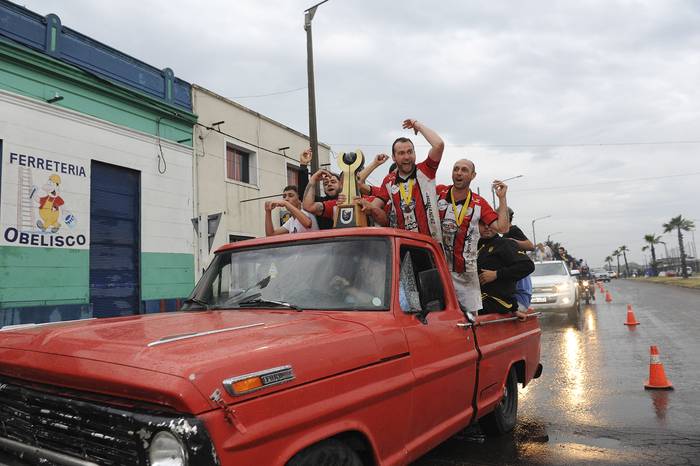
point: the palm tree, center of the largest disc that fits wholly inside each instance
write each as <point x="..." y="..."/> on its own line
<point x="623" y="249"/>
<point x="616" y="254"/>
<point x="681" y="224"/>
<point x="652" y="239"/>
<point x="608" y="260"/>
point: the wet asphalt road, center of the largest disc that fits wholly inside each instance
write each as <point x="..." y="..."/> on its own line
<point x="590" y="405"/>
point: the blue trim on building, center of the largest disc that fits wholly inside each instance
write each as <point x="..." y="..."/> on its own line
<point x="43" y="314"/>
<point x="59" y="313"/>
<point x="47" y="35"/>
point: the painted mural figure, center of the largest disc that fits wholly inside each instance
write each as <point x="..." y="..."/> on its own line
<point x="50" y="205"/>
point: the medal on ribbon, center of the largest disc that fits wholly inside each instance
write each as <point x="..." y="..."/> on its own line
<point x="406" y="194"/>
<point x="459" y="217"/>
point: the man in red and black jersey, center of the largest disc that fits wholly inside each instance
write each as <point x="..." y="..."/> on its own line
<point x="460" y="211"/>
<point x="331" y="187"/>
<point x="409" y="191"/>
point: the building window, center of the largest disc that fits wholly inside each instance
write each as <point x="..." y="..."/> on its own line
<point x="237" y="238"/>
<point x="293" y="175"/>
<point x="240" y="164"/>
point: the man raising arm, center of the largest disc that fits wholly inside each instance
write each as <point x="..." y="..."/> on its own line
<point x="502" y="225"/>
<point x="410" y="190"/>
<point x="299" y="222"/>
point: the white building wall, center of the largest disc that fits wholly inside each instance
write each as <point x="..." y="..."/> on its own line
<point x="48" y="132"/>
<point x="246" y="129"/>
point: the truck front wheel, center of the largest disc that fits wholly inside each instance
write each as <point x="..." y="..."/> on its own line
<point x="504" y="417"/>
<point x="330" y="452"/>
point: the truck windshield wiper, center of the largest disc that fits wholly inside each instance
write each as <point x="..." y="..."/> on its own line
<point x="201" y="302"/>
<point x="257" y="301"/>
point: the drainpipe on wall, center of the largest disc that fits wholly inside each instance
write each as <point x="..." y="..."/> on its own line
<point x="195" y="192"/>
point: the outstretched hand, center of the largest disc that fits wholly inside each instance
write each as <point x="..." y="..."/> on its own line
<point x="500" y="188"/>
<point x="305" y="157"/>
<point x="365" y="205"/>
<point x="487" y="276"/>
<point x="320" y="174"/>
<point x="410" y="123"/>
<point x="269" y="205"/>
<point x="380" y="159"/>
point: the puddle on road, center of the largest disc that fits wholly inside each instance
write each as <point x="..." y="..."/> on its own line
<point x="531" y="443"/>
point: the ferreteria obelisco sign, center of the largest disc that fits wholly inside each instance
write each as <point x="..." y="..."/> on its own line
<point x="45" y="201"/>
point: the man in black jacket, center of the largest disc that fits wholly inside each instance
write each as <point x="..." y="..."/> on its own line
<point x="500" y="265"/>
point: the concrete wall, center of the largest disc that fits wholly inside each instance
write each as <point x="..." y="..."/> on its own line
<point x="215" y="192"/>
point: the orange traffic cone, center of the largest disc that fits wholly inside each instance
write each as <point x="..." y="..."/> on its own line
<point x="608" y="298"/>
<point x="631" y="319"/>
<point x="657" y="376"/>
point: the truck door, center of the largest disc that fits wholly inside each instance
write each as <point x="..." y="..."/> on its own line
<point x="443" y="354"/>
<point x="504" y="342"/>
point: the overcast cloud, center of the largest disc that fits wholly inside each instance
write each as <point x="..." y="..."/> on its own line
<point x="543" y="89"/>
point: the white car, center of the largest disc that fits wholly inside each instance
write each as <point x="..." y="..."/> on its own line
<point x="601" y="275"/>
<point x="554" y="288"/>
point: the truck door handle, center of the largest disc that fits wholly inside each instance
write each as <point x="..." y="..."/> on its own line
<point x="464" y="324"/>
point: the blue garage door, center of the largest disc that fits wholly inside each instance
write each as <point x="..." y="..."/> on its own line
<point x="114" y="240"/>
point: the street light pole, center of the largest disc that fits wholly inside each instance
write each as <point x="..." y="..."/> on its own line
<point x="313" y="135"/>
<point x="534" y="238"/>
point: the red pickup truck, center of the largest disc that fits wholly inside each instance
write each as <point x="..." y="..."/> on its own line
<point x="339" y="347"/>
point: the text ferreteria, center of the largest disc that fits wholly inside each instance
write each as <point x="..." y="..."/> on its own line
<point x="47" y="164"/>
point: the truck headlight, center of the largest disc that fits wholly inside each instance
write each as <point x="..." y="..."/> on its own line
<point x="166" y="450"/>
<point x="563" y="287"/>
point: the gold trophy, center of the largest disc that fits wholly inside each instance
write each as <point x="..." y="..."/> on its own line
<point x="350" y="214"/>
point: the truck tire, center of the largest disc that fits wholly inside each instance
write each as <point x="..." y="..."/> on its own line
<point x="504" y="417"/>
<point x="330" y="452"/>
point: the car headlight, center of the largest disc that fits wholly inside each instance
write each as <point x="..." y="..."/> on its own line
<point x="563" y="287"/>
<point x="166" y="450"/>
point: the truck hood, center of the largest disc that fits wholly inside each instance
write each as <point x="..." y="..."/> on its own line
<point x="203" y="348"/>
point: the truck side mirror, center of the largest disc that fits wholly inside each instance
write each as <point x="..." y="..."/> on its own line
<point x="432" y="293"/>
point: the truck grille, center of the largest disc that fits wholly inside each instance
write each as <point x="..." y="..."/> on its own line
<point x="544" y="289"/>
<point x="85" y="430"/>
<point x="72" y="427"/>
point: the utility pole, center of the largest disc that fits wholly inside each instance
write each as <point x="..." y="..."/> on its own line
<point x="313" y="135"/>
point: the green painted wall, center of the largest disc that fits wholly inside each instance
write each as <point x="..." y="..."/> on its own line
<point x="43" y="276"/>
<point x="166" y="275"/>
<point x="53" y="276"/>
<point x="28" y="73"/>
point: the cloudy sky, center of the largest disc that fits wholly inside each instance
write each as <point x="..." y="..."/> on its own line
<point x="595" y="103"/>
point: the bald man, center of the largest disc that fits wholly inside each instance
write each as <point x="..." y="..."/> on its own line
<point x="460" y="210"/>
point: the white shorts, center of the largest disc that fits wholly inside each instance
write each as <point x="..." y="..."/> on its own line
<point x="468" y="290"/>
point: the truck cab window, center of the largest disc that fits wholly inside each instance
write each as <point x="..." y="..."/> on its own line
<point x="351" y="274"/>
<point x="413" y="261"/>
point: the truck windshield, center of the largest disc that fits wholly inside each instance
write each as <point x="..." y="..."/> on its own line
<point x="549" y="268"/>
<point x="342" y="274"/>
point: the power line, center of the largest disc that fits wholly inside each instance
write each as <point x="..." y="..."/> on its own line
<point x="270" y="94"/>
<point x="211" y="128"/>
<point x="601" y="183"/>
<point x="591" y="144"/>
